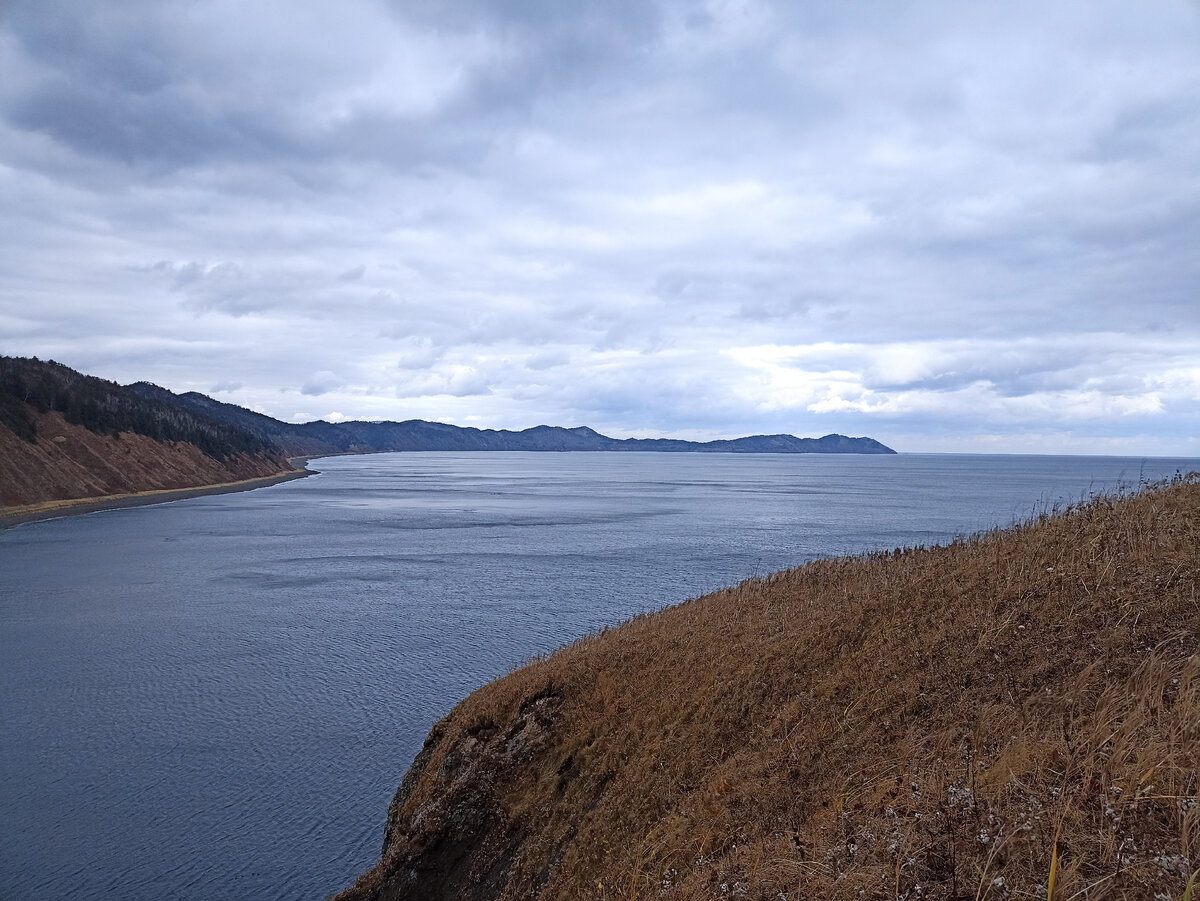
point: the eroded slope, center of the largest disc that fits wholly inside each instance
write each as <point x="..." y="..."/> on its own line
<point x="69" y="461"/>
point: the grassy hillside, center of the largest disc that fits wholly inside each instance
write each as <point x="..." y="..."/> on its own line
<point x="1013" y="716"/>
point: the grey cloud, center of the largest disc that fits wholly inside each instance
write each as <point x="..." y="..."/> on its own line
<point x="106" y="50"/>
<point x="112" y="88"/>
<point x="139" y="86"/>
<point x="420" y="354"/>
<point x="457" y="382"/>
<point x="671" y="284"/>
<point x="769" y="306"/>
<point x="224" y="287"/>
<point x="1146" y="129"/>
<point x="549" y="360"/>
<point x="163" y="130"/>
<point x="321" y="383"/>
<point x="597" y="211"/>
<point x="552" y="46"/>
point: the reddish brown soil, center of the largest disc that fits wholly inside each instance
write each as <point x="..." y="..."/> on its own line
<point x="69" y="462"/>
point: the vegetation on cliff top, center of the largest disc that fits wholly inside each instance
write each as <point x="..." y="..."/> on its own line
<point x="30" y="386"/>
<point x="1016" y="715"/>
<point x="65" y="437"/>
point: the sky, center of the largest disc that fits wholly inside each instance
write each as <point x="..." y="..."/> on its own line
<point x="952" y="227"/>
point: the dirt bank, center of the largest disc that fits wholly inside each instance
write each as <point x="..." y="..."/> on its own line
<point x="14" y="516"/>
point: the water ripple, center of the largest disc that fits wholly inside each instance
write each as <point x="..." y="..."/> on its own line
<point x="217" y="698"/>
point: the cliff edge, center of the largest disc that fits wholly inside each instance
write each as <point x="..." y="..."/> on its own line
<point x="1013" y="715"/>
<point x="65" y="436"/>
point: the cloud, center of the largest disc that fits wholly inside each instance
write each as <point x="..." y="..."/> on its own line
<point x="548" y="360"/>
<point x="1033" y="382"/>
<point x="929" y="220"/>
<point x="450" y="381"/>
<point x="321" y="383"/>
<point x="419" y="353"/>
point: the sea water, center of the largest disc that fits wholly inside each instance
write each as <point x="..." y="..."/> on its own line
<point x="217" y="698"/>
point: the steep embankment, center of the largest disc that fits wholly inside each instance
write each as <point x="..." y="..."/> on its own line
<point x="69" y="461"/>
<point x="67" y="436"/>
<point x="1008" y="716"/>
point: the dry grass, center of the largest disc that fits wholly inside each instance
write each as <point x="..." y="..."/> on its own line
<point x="1013" y="716"/>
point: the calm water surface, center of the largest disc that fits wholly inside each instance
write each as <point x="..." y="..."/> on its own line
<point x="217" y="697"/>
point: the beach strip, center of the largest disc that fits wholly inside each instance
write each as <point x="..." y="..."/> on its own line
<point x="15" y="516"/>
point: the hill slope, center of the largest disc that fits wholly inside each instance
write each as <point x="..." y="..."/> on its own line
<point x="918" y="724"/>
<point x="64" y="435"/>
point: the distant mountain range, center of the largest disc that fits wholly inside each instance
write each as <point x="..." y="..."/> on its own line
<point x="67" y="435"/>
<point x="320" y="437"/>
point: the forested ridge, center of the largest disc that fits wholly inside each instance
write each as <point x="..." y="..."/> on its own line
<point x="29" y="386"/>
<point x="222" y="429"/>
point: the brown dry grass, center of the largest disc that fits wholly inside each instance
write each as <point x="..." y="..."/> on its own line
<point x="1012" y="716"/>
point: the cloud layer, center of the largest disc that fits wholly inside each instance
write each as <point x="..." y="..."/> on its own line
<point x="946" y="226"/>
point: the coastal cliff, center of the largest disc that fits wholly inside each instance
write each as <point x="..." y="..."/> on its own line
<point x="65" y="436"/>
<point x="1013" y="715"/>
<point x="70" y="462"/>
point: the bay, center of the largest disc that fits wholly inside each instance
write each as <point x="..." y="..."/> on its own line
<point x="217" y="698"/>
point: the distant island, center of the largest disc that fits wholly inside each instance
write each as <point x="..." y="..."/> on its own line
<point x="66" y="438"/>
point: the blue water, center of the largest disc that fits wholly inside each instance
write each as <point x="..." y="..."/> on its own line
<point x="216" y="698"/>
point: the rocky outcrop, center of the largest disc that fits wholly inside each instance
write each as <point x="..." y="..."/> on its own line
<point x="460" y="842"/>
<point x="453" y="832"/>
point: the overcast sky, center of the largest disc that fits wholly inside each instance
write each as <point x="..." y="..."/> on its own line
<point x="950" y="226"/>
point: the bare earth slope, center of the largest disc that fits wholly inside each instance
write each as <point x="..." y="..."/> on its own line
<point x="67" y="438"/>
<point x="1013" y="716"/>
<point x="69" y="461"/>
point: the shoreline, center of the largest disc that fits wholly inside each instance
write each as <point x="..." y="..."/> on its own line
<point x="16" y="516"/>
